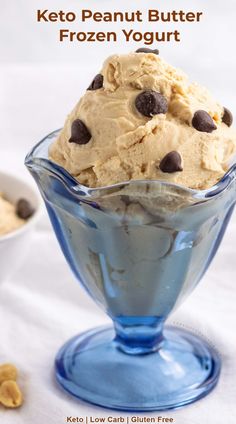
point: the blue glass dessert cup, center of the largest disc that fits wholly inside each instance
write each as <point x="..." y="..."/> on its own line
<point x="139" y="249"/>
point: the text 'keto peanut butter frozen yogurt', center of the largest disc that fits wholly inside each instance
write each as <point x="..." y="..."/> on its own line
<point x="142" y="119"/>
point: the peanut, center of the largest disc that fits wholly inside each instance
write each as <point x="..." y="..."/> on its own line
<point x="10" y="394"/>
<point x="7" y="372"/>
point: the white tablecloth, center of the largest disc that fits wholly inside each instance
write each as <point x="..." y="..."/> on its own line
<point x="41" y="306"/>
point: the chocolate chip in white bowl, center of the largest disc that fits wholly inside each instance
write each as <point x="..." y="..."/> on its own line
<point x="24" y="209"/>
<point x="227" y="117"/>
<point x="203" y="122"/>
<point x="172" y="162"/>
<point x="96" y="83"/>
<point x="150" y="103"/>
<point x="79" y="132"/>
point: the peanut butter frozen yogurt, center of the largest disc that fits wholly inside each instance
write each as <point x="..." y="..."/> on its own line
<point x="12" y="216"/>
<point x="141" y="118"/>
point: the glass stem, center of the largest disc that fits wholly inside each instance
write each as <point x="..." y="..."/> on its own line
<point x="139" y="335"/>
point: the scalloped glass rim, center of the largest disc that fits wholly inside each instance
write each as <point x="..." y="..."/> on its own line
<point x="34" y="158"/>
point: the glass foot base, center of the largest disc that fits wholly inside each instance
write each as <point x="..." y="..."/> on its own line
<point x="93" y="368"/>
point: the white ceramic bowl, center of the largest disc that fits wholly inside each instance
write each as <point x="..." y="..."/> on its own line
<point x="15" y="245"/>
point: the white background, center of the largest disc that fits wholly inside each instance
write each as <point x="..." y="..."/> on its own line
<point x="41" y="307"/>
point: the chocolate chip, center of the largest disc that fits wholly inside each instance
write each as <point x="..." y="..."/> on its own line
<point x="151" y="103"/>
<point x="146" y="50"/>
<point x="79" y="133"/>
<point x="24" y="209"/>
<point x="227" y="117"/>
<point x="203" y="122"/>
<point x="172" y="162"/>
<point x="96" y="83"/>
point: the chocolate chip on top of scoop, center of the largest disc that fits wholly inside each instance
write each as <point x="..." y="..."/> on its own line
<point x="79" y="133"/>
<point x="172" y="162"/>
<point x="96" y="83"/>
<point x="150" y="103"/>
<point x="227" y="117"/>
<point x="147" y="50"/>
<point x="203" y="122"/>
<point x="24" y="209"/>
